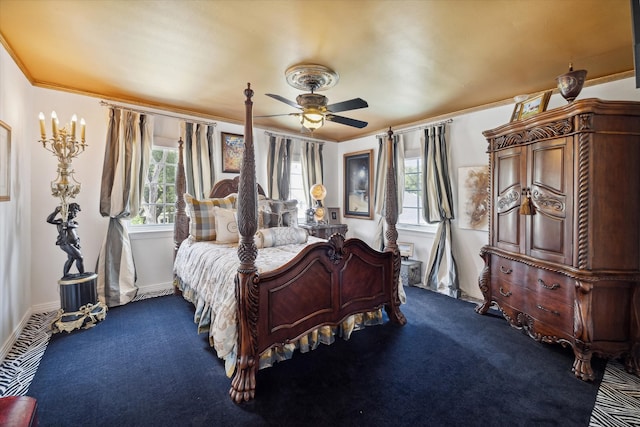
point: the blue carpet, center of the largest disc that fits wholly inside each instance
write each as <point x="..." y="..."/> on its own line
<point x="145" y="365"/>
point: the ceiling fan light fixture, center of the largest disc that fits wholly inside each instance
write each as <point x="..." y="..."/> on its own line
<point x="312" y="120"/>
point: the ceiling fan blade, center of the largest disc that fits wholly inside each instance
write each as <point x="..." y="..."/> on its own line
<point x="346" y="121"/>
<point x="282" y="99"/>
<point x="352" y="104"/>
<point x="277" y="115"/>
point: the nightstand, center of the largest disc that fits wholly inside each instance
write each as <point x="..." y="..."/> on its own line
<point x="324" y="231"/>
<point x="411" y="272"/>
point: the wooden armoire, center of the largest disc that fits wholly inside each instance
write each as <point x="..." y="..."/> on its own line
<point x="563" y="259"/>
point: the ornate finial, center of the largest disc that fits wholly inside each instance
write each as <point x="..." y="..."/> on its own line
<point x="248" y="92"/>
<point x="390" y="132"/>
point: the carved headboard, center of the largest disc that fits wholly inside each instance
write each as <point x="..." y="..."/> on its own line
<point x="225" y="187"/>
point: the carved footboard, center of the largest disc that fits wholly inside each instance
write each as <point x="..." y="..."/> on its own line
<point x="323" y="285"/>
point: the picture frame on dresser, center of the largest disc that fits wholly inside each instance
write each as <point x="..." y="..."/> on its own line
<point x="358" y="184"/>
<point x="334" y="215"/>
<point x="534" y="105"/>
<point x="232" y="149"/>
<point x="406" y="249"/>
<point x="5" y="162"/>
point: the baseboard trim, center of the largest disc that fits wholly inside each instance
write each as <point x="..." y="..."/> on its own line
<point x="55" y="305"/>
<point x="11" y="340"/>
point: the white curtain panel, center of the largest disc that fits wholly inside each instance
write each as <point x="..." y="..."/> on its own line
<point x="441" y="272"/>
<point x="312" y="169"/>
<point x="200" y="152"/>
<point x="126" y="164"/>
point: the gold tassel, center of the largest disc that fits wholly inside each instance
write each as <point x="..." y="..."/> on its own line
<point x="527" y="207"/>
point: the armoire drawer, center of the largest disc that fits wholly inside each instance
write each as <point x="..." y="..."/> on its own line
<point x="506" y="270"/>
<point x="505" y="292"/>
<point x="550" y="311"/>
<point x="548" y="284"/>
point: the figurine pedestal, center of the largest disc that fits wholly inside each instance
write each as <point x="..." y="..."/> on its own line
<point x="79" y="303"/>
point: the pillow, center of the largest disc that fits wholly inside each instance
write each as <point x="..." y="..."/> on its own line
<point x="201" y="217"/>
<point x="281" y="214"/>
<point x="278" y="236"/>
<point x="226" y="225"/>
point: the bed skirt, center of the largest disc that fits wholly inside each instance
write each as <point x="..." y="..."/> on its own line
<point x="310" y="341"/>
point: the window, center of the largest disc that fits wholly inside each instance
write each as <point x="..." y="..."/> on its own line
<point x="412" y="199"/>
<point x="296" y="189"/>
<point x="158" y="204"/>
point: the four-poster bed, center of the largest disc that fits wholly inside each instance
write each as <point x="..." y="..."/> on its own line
<point x="319" y="284"/>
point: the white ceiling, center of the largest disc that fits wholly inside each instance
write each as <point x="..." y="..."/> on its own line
<point x="410" y="60"/>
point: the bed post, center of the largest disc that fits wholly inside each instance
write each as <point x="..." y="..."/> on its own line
<point x="391" y="217"/>
<point x="181" y="221"/>
<point x="243" y="384"/>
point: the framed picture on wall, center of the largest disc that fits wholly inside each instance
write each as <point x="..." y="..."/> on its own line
<point x="473" y="197"/>
<point x="232" y="150"/>
<point x="5" y="162"/>
<point x="358" y="183"/>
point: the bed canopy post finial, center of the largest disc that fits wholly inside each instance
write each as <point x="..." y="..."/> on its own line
<point x="243" y="384"/>
<point x="391" y="218"/>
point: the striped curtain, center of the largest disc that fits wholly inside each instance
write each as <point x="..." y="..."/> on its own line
<point x="278" y="167"/>
<point x="199" y="154"/>
<point x="441" y="271"/>
<point x="380" y="183"/>
<point x="312" y="167"/>
<point x="126" y="164"/>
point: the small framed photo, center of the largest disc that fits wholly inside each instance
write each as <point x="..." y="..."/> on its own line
<point x="5" y="162"/>
<point x="406" y="249"/>
<point x="358" y="184"/>
<point x="516" y="112"/>
<point x="535" y="105"/>
<point x="334" y="215"/>
<point x="232" y="150"/>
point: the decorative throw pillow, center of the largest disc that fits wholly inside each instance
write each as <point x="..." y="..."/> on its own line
<point x="283" y="213"/>
<point x="226" y="225"/>
<point x="278" y="236"/>
<point x="201" y="217"/>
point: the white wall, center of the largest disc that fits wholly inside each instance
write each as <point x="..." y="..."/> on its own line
<point x="15" y="222"/>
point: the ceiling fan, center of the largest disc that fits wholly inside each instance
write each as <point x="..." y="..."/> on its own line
<point x="313" y="107"/>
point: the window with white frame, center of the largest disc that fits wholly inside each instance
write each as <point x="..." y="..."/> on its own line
<point x="296" y="188"/>
<point x="412" y="199"/>
<point x="158" y="204"/>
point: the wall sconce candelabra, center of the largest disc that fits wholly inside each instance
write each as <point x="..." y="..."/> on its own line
<point x="65" y="147"/>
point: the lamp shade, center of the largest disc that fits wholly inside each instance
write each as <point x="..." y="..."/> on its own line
<point x="318" y="192"/>
<point x="312" y="120"/>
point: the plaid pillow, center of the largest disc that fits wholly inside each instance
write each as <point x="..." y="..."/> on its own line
<point x="202" y="224"/>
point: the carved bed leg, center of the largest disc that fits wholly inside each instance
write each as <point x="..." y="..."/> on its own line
<point x="583" y="331"/>
<point x="243" y="385"/>
<point x="483" y="282"/>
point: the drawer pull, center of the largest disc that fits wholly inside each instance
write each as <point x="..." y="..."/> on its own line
<point x="555" y="313"/>
<point x="505" y="270"/>
<point x="550" y="287"/>
<point x="503" y="293"/>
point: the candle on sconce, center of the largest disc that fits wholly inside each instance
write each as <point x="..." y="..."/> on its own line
<point x="82" y="127"/>
<point x="54" y="124"/>
<point x="43" y="132"/>
<point x="74" y="119"/>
